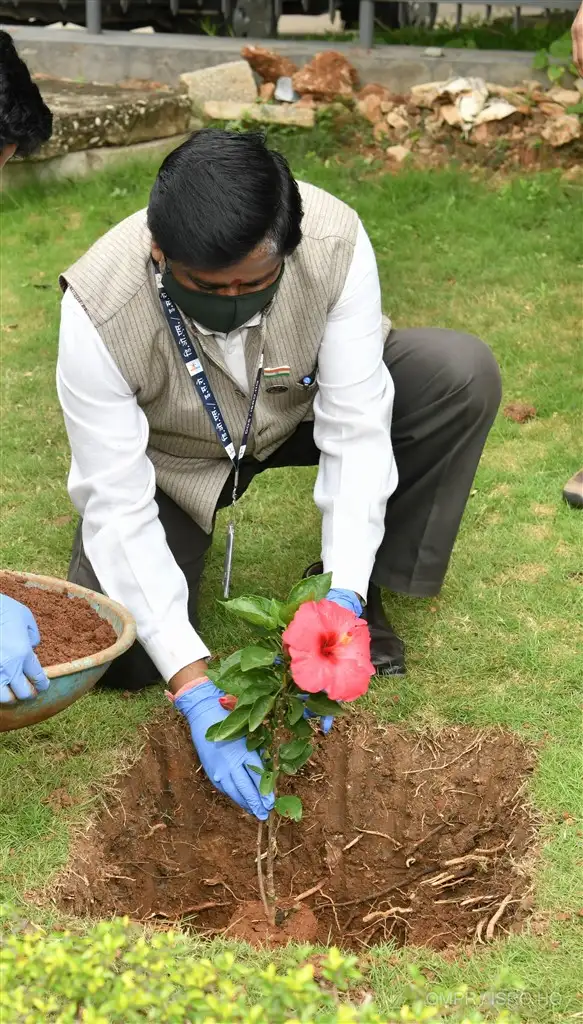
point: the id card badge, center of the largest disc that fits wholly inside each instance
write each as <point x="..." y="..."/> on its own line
<point x="228" y="564"/>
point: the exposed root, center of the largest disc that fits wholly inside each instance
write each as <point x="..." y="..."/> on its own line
<point x="382" y="915"/>
<point x="440" y="767"/>
<point x="496" y="917"/>
<point x="381" y="835"/>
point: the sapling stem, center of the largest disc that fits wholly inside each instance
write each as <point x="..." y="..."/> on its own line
<point x="269" y="911"/>
<point x="270" y="860"/>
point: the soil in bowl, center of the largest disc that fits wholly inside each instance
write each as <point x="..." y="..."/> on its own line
<point x="416" y="838"/>
<point x="69" y="627"/>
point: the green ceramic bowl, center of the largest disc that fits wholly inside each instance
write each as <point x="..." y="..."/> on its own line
<point x="72" y="679"/>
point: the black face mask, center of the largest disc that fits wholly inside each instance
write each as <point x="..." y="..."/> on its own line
<point x="219" y="313"/>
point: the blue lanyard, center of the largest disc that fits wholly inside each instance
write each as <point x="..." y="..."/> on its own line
<point x="202" y="386"/>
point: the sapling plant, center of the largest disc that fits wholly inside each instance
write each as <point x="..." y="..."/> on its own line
<point x="310" y="654"/>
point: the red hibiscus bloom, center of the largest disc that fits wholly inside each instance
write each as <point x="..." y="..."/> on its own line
<point x="329" y="649"/>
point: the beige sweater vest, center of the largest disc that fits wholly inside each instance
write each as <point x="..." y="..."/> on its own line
<point x="114" y="281"/>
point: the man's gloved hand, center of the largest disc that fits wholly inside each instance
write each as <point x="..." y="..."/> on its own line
<point x="225" y="762"/>
<point x="346" y="599"/>
<point x="21" y="675"/>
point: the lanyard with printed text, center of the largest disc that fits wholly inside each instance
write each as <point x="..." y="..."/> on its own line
<point x="202" y="386"/>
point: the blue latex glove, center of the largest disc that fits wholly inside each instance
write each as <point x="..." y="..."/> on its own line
<point x="346" y="599"/>
<point x="21" y="676"/>
<point x="225" y="762"/>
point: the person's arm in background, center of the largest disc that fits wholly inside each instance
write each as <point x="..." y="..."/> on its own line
<point x="577" y="37"/>
<point x="112" y="484"/>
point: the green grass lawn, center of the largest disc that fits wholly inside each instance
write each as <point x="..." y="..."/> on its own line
<point x="501" y="646"/>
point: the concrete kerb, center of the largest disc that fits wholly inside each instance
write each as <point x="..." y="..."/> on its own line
<point x="114" y="56"/>
<point x="83" y="162"/>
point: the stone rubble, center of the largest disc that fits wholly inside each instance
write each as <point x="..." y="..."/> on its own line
<point x="231" y="81"/>
<point x="267" y="64"/>
<point x="328" y="77"/>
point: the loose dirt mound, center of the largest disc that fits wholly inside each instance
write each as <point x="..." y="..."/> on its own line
<point x="420" y="839"/>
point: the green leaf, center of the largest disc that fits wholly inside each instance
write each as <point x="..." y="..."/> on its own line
<point x="562" y="47"/>
<point x="249" y="696"/>
<point x="254" y="768"/>
<point x="314" y="588"/>
<point x="289" y="807"/>
<point x="577" y="108"/>
<point x="230" y="725"/>
<point x="302" y="729"/>
<point x="266" y="784"/>
<point x="259" y="711"/>
<point x="555" y="72"/>
<point x="295" y="711"/>
<point x="541" y="60"/>
<point x="256" y="739"/>
<point x="233" y="661"/>
<point x="289" y="751"/>
<point x="259" y="611"/>
<point x="255" y="657"/>
<point x="320" y="704"/>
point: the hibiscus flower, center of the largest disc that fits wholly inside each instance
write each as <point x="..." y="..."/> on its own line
<point x="329" y="649"/>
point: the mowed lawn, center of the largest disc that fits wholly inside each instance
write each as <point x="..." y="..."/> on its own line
<point x="502" y="644"/>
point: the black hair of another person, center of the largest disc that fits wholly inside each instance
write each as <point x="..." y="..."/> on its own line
<point x="219" y="195"/>
<point x="25" y="119"/>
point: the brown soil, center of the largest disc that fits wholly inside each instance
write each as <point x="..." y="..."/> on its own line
<point x="520" y="412"/>
<point x="69" y="627"/>
<point x="415" y="838"/>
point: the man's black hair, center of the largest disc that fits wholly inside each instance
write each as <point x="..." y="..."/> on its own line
<point x="24" y="117"/>
<point x="219" y="195"/>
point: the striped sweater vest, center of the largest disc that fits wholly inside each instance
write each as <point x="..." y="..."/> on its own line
<point x="114" y="282"/>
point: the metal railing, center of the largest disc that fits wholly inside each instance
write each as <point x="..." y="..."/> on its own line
<point x="366" y="19"/>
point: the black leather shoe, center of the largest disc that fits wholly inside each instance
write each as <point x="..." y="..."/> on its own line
<point x="387" y="650"/>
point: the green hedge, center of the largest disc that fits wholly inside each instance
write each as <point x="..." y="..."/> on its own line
<point x="115" y="973"/>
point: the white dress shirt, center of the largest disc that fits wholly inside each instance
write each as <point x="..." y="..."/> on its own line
<point x="112" y="481"/>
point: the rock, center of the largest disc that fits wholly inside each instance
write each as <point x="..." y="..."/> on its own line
<point x="561" y="130"/>
<point x="566" y="97"/>
<point x="495" y="110"/>
<point x="96" y="116"/>
<point x="470" y="104"/>
<point x="268" y="65"/>
<point x="266" y="91"/>
<point x="373" y="89"/>
<point x="425" y="95"/>
<point x="450" y="114"/>
<point x="326" y="77"/>
<point x="398" y="154"/>
<point x="433" y="51"/>
<point x="232" y="81"/>
<point x="578" y="84"/>
<point x="573" y="174"/>
<point x="483" y="134"/>
<point x="397" y="121"/>
<point x="512" y="95"/>
<point x="370" y="107"/>
<point x="550" y="109"/>
<point x="306" y="101"/>
<point x="290" y="114"/>
<point x="284" y="90"/>
<point x="380" y="130"/>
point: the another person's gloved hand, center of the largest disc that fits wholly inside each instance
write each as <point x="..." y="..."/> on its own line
<point x="21" y="675"/>
<point x="225" y="762"/>
<point x="349" y="600"/>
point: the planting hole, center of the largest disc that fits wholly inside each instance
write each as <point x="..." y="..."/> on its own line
<point x="419" y="838"/>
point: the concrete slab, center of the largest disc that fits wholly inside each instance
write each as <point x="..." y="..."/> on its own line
<point x="87" y="117"/>
<point x="114" y="56"/>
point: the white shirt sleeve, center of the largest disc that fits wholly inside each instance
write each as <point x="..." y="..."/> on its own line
<point x="112" y="485"/>
<point x="352" y="412"/>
